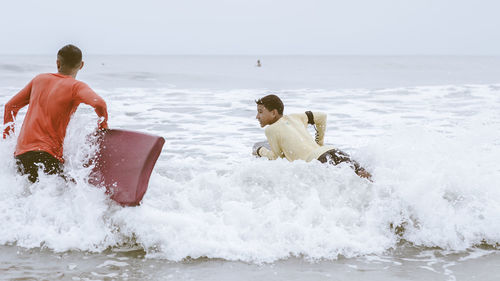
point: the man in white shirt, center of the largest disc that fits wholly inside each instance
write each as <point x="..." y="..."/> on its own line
<point x="288" y="137"/>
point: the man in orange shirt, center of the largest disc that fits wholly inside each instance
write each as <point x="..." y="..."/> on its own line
<point x="52" y="99"/>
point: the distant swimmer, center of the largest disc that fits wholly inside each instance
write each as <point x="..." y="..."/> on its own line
<point x="288" y="137"/>
<point x="258" y="63"/>
<point x="52" y="99"/>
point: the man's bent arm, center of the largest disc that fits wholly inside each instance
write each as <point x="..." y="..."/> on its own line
<point x="319" y="119"/>
<point x="275" y="151"/>
<point x="320" y="122"/>
<point x="88" y="96"/>
<point x="13" y="106"/>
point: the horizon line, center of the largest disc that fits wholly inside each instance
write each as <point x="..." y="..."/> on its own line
<point x="260" y="55"/>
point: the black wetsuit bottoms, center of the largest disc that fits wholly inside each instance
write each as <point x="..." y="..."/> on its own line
<point x="29" y="163"/>
<point x="335" y="157"/>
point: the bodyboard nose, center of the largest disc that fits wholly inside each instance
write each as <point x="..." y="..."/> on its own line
<point x="124" y="163"/>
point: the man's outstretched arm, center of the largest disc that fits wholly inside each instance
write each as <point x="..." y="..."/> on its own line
<point x="13" y="106"/>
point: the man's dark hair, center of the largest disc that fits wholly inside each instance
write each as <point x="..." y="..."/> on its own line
<point x="70" y="56"/>
<point x="271" y="102"/>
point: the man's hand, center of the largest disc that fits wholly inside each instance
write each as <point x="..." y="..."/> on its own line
<point x="102" y="124"/>
<point x="255" y="150"/>
<point x="7" y="131"/>
<point x="257" y="147"/>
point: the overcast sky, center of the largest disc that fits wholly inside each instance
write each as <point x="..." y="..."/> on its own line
<point x="252" y="27"/>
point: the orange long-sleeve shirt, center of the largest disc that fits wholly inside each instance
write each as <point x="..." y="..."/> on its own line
<point x="52" y="99"/>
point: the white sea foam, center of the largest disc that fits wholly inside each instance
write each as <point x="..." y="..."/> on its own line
<point x="432" y="150"/>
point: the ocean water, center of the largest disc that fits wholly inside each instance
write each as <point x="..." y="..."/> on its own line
<point x="425" y="127"/>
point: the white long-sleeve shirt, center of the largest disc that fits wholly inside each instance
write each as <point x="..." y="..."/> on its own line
<point x="289" y="138"/>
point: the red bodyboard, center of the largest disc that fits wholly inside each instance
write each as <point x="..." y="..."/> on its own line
<point x="124" y="164"/>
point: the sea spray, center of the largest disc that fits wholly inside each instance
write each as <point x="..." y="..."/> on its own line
<point x="432" y="152"/>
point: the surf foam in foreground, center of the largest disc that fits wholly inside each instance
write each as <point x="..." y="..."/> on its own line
<point x="432" y="150"/>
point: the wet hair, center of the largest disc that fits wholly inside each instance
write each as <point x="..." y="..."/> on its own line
<point x="271" y="102"/>
<point x="70" y="56"/>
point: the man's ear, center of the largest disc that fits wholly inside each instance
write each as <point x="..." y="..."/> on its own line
<point x="58" y="63"/>
<point x="81" y="64"/>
